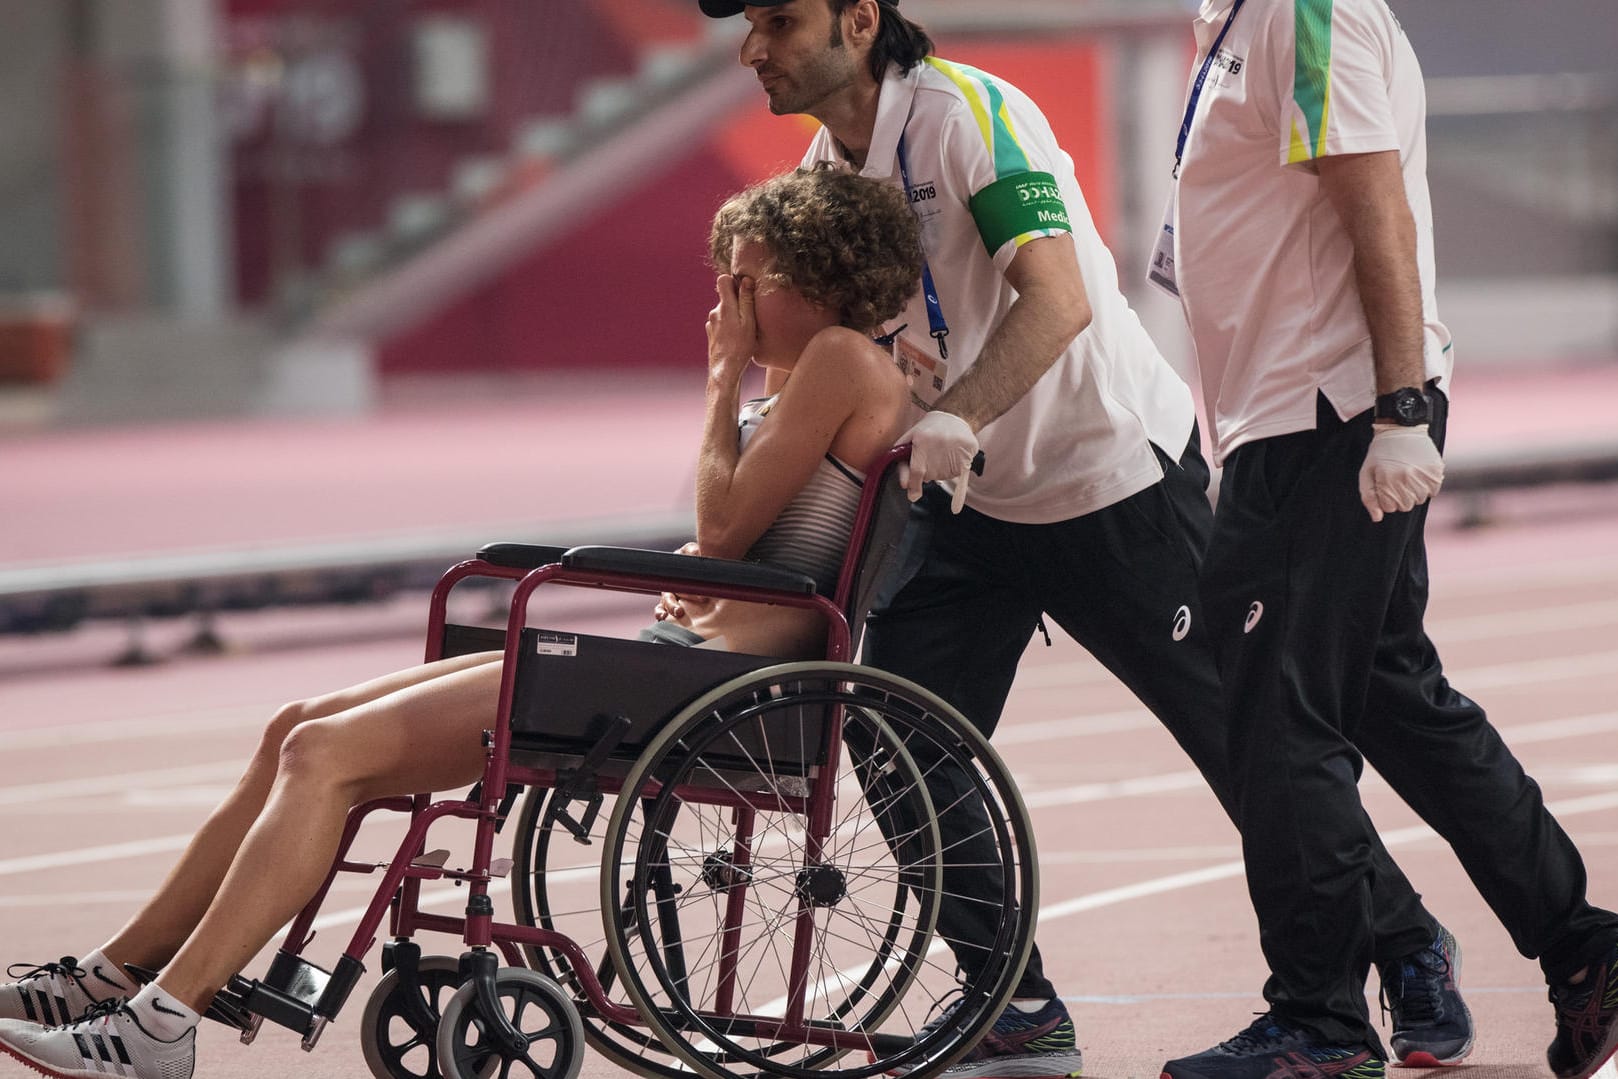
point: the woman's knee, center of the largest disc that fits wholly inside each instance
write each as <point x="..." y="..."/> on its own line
<point x="287" y="718"/>
<point x="314" y="752"/>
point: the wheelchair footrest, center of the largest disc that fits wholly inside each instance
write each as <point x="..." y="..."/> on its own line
<point x="256" y="998"/>
<point x="286" y="996"/>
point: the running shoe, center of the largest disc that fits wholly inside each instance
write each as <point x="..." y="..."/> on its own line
<point x="1586" y="1021"/>
<point x="1020" y="1045"/>
<point x="1432" y="1026"/>
<point x="53" y="993"/>
<point x="1270" y="1049"/>
<point x="107" y="1041"/>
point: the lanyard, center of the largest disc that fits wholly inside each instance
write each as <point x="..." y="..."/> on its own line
<point x="935" y="311"/>
<point x="1196" y="87"/>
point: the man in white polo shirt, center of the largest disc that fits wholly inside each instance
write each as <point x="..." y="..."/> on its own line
<point x="1301" y="244"/>
<point x="1092" y="505"/>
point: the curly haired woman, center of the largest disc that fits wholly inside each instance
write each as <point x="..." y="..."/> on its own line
<point x="809" y="265"/>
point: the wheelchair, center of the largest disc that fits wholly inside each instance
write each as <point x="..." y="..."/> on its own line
<point x="723" y="864"/>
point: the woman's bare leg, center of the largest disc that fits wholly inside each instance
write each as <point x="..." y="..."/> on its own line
<point x="424" y="737"/>
<point x="156" y="931"/>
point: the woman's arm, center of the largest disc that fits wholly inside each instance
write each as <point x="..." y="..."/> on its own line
<point x="732" y="334"/>
<point x="739" y="495"/>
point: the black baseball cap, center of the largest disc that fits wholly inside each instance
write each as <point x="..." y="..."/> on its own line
<point x="724" y="9"/>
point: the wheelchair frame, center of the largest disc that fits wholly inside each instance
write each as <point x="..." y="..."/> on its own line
<point x="297" y="994"/>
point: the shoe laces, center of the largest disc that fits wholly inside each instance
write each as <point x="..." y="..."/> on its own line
<point x="66" y="966"/>
<point x="1415" y="992"/>
<point x="941" y="1009"/>
<point x="1260" y="1033"/>
<point x="101" y="1010"/>
<point x="1568" y="998"/>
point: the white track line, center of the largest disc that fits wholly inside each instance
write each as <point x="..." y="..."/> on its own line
<point x="1168" y="782"/>
<point x="1583" y="574"/>
<point x="1226" y="870"/>
<point x="1208" y="875"/>
<point x="88" y="855"/>
<point x="1083" y="726"/>
<point x="121" y="783"/>
<point x="1086" y="670"/>
<point x="182" y="724"/>
<point x="1505" y="675"/>
<point x="1035" y="676"/>
<point x="1513" y="623"/>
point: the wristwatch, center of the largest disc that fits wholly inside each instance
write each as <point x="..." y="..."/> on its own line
<point x="1407" y="407"/>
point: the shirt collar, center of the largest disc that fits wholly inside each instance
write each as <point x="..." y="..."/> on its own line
<point x="893" y="104"/>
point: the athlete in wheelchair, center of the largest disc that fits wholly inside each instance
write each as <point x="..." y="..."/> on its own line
<point x="785" y="866"/>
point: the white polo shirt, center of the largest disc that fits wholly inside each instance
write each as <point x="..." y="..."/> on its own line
<point x="1264" y="266"/>
<point x="987" y="176"/>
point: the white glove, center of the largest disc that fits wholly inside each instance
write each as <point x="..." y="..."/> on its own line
<point x="1402" y="470"/>
<point x="942" y="447"/>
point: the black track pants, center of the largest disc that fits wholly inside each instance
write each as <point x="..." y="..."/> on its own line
<point x="1123" y="582"/>
<point x="1317" y="618"/>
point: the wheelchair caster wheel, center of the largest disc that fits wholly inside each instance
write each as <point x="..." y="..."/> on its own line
<point x="537" y="1007"/>
<point x="395" y="1040"/>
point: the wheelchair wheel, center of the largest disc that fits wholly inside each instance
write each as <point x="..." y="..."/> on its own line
<point x="556" y="886"/>
<point x="927" y="852"/>
<point x="537" y="1007"/>
<point x="395" y="1041"/>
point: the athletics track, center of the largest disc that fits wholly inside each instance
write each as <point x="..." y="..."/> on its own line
<point x="1145" y="923"/>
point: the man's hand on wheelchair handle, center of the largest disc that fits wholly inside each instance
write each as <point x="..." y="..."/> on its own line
<point x="942" y="447"/>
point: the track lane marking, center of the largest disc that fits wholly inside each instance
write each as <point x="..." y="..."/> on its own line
<point x="122" y="782"/>
<point x="1084" y="670"/>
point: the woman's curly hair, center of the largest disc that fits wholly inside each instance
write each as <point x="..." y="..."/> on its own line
<point x="840" y="239"/>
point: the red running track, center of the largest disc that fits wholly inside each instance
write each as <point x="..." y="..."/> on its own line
<point x="1145" y="921"/>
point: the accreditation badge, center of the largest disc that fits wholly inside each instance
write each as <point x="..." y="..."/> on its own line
<point x="1160" y="271"/>
<point x="925" y="372"/>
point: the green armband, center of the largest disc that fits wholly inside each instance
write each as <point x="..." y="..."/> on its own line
<point x="1026" y="202"/>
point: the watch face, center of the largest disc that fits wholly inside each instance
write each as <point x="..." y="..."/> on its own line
<point x="1406" y="407"/>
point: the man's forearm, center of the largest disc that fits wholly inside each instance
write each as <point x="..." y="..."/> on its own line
<point x="1368" y="192"/>
<point x="1390" y="289"/>
<point x="1019" y="352"/>
<point x="1051" y="309"/>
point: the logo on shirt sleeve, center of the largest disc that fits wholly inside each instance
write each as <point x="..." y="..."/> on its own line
<point x="1027" y="202"/>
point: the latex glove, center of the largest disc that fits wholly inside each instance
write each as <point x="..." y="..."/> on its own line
<point x="942" y="447"/>
<point x="1402" y="470"/>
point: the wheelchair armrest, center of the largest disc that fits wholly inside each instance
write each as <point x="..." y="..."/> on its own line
<point x="721" y="571"/>
<point x="520" y="555"/>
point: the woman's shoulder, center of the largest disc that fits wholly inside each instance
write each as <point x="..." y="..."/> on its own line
<point x="861" y="376"/>
<point x="848" y="353"/>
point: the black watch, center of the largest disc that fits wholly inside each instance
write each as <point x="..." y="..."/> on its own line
<point x="1407" y="407"/>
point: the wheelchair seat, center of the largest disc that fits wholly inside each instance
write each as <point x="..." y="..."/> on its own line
<point x="725" y="865"/>
<point x="571" y="687"/>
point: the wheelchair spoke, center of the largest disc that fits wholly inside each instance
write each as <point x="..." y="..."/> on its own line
<point x="844" y="927"/>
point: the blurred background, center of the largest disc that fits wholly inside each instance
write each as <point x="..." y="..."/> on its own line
<point x="298" y="298"/>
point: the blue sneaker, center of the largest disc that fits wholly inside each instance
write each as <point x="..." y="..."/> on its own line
<point x="1432" y="1027"/>
<point x="1021" y="1045"/>
<point x="1268" y="1049"/>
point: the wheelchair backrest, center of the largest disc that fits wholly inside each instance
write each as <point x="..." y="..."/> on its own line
<point x="874" y="541"/>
